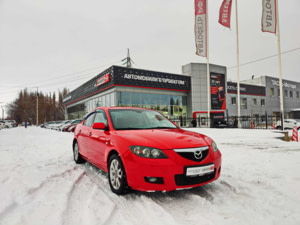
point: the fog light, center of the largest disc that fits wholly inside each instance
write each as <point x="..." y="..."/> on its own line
<point x="154" y="180"/>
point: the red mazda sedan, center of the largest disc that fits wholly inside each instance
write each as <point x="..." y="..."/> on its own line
<point x="142" y="150"/>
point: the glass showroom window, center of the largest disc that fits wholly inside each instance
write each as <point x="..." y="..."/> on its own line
<point x="262" y="102"/>
<point x="99" y="102"/>
<point x="164" y="100"/>
<point x="145" y="99"/>
<point x="169" y="105"/>
<point x="112" y="99"/>
<point x="124" y="99"/>
<point x="107" y="100"/>
<point x="77" y="111"/>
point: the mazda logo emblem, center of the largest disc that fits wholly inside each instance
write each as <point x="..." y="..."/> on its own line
<point x="198" y="154"/>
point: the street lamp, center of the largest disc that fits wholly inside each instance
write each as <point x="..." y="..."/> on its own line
<point x="37" y="106"/>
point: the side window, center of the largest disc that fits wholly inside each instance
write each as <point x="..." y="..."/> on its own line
<point x="89" y="120"/>
<point x="100" y="117"/>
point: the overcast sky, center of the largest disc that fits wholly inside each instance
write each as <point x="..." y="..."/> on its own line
<point x="52" y="44"/>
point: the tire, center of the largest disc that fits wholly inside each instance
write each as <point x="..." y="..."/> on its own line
<point x="116" y="176"/>
<point x="76" y="154"/>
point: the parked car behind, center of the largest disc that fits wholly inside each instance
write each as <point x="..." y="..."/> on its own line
<point x="48" y="124"/>
<point x="6" y="124"/>
<point x="142" y="150"/>
<point x="61" y="125"/>
<point x="221" y="124"/>
<point x="12" y="122"/>
<point x="71" y="127"/>
<point x="288" y="124"/>
<point x="57" y="125"/>
<point x="2" y="125"/>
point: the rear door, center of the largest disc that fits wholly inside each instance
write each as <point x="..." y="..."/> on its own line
<point x="84" y="134"/>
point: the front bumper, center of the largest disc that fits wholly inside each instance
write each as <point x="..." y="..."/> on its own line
<point x="170" y="172"/>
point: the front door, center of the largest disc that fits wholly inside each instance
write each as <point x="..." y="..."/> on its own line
<point x="99" y="139"/>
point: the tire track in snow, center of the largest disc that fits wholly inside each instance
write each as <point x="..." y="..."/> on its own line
<point x="180" y="204"/>
<point x="51" y="178"/>
<point x="83" y="201"/>
<point x="7" y="210"/>
<point x="130" y="208"/>
<point x="43" y="204"/>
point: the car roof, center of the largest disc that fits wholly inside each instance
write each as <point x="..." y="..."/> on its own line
<point x="120" y="107"/>
<point x="114" y="107"/>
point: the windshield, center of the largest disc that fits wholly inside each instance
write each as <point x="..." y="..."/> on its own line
<point x="133" y="119"/>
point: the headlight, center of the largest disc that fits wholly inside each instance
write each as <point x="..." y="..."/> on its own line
<point x="147" y="152"/>
<point x="214" y="145"/>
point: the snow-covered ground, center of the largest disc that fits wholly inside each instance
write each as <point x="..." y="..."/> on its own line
<point x="40" y="184"/>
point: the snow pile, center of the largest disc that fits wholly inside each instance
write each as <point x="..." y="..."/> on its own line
<point x="40" y="184"/>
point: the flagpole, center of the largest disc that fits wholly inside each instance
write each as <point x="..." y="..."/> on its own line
<point x="207" y="69"/>
<point x="279" y="65"/>
<point x="238" y="64"/>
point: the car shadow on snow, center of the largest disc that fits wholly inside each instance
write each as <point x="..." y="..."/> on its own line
<point x="205" y="192"/>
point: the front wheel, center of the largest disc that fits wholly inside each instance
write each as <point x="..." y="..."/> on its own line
<point x="117" y="176"/>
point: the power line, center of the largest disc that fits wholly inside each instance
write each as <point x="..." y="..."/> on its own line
<point x="261" y="59"/>
<point x="68" y="78"/>
<point x="72" y="74"/>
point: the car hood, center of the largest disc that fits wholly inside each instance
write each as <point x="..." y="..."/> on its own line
<point x="165" y="138"/>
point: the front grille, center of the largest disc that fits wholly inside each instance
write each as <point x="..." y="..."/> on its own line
<point x="182" y="180"/>
<point x="194" y="154"/>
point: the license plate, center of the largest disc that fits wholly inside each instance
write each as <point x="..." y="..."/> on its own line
<point x="199" y="170"/>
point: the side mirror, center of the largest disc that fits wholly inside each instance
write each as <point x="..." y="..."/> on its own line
<point x="99" y="126"/>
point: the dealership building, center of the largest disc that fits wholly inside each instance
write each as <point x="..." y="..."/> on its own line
<point x="183" y="96"/>
<point x="122" y="86"/>
<point x="271" y="102"/>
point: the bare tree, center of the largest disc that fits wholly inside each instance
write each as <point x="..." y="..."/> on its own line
<point x="24" y="108"/>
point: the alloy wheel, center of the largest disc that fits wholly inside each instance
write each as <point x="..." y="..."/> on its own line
<point x="116" y="174"/>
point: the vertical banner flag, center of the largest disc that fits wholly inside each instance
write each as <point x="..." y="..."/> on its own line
<point x="225" y="13"/>
<point x="201" y="28"/>
<point x="268" y="20"/>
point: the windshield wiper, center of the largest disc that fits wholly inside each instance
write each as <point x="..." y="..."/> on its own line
<point x="130" y="128"/>
<point x="161" y="127"/>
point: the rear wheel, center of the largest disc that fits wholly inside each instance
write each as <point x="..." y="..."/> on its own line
<point x="116" y="176"/>
<point x="76" y="154"/>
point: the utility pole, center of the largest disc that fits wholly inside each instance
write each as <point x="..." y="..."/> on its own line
<point x="37" y="106"/>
